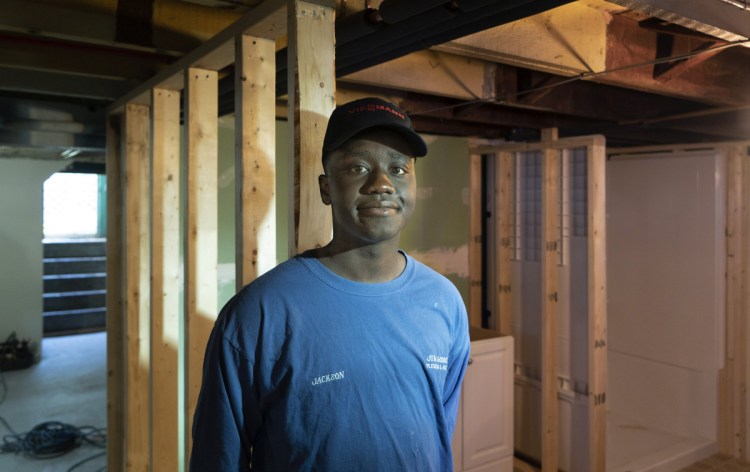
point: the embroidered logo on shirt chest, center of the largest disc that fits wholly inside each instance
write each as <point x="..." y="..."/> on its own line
<point x="436" y="362"/>
<point x="328" y="378"/>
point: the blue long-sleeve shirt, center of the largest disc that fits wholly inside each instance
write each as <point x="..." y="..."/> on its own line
<point x="306" y="370"/>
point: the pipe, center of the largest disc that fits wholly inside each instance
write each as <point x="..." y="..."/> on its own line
<point x="396" y="32"/>
<point x="396" y="11"/>
<point x="358" y="25"/>
<point x="471" y="5"/>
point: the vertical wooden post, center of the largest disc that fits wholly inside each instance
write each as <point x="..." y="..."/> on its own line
<point x="744" y="331"/>
<point x="165" y="303"/>
<point x="597" y="304"/>
<point x="475" y="240"/>
<point x="312" y="82"/>
<point x="201" y="252"/>
<point x="115" y="320"/>
<point x="255" y="157"/>
<point x="733" y="377"/>
<point x="550" y="240"/>
<point x="504" y="222"/>
<point x="137" y="287"/>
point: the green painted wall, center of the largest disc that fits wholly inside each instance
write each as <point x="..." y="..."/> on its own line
<point x="438" y="233"/>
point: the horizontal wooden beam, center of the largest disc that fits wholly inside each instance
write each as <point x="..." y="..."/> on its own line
<point x="563" y="143"/>
<point x="449" y="75"/>
<point x="577" y="39"/>
<point x="568" y="40"/>
<point x="268" y="20"/>
<point x="675" y="148"/>
<point x="177" y="27"/>
<point x="35" y="82"/>
<point x="27" y="51"/>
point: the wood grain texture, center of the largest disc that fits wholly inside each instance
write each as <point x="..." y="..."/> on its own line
<point x="312" y="85"/>
<point x="255" y="157"/>
<point x="165" y="288"/>
<point x="137" y="287"/>
<point x="475" y="240"/>
<point x="504" y="221"/>
<point x="201" y="239"/>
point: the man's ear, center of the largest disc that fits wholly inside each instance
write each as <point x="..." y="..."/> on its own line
<point x="325" y="194"/>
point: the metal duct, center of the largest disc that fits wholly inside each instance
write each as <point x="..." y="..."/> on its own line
<point x="725" y="19"/>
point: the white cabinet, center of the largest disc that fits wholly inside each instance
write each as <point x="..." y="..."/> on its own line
<point x="483" y="439"/>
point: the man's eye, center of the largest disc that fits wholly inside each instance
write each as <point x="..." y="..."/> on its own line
<point x="358" y="169"/>
<point x="398" y="171"/>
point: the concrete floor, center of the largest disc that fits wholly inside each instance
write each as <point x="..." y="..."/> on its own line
<point x="67" y="385"/>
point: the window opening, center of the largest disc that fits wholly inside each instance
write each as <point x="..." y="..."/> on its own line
<point x="72" y="205"/>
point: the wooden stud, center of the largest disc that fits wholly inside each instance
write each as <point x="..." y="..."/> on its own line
<point x="265" y="20"/>
<point x="743" y="331"/>
<point x="137" y="287"/>
<point x="597" y="304"/>
<point x="550" y="241"/>
<point x="255" y="157"/>
<point x="201" y="252"/>
<point x="733" y="377"/>
<point x="165" y="288"/>
<point x="115" y="320"/>
<point x="312" y="83"/>
<point x="504" y="221"/>
<point x="475" y="240"/>
<point x="597" y="288"/>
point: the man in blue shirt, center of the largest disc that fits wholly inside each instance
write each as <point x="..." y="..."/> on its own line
<point x="348" y="357"/>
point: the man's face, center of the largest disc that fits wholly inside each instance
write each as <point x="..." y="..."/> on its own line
<point x="370" y="183"/>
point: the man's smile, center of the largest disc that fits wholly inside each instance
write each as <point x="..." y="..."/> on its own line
<point x="378" y="207"/>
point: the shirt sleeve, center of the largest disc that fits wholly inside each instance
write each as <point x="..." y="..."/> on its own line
<point x="459" y="358"/>
<point x="227" y="415"/>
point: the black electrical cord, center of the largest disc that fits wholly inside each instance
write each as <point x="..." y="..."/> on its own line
<point x="51" y="438"/>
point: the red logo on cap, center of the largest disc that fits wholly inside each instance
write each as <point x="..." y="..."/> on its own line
<point x="373" y="107"/>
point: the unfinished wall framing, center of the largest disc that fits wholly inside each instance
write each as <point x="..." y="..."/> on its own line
<point x="144" y="163"/>
<point x="552" y="150"/>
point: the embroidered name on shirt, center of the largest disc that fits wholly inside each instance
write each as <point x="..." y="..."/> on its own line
<point x="436" y="362"/>
<point x="328" y="378"/>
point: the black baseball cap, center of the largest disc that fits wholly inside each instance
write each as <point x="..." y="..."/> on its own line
<point x="354" y="117"/>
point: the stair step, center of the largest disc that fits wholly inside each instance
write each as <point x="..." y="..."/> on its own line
<point x="74" y="300"/>
<point x="75" y="265"/>
<point x="75" y="248"/>
<point x="56" y="283"/>
<point x="90" y="319"/>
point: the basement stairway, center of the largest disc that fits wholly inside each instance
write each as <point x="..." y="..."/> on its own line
<point x="74" y="286"/>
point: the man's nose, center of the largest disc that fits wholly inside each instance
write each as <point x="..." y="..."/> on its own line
<point x="379" y="181"/>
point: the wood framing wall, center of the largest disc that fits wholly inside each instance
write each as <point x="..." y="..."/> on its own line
<point x="145" y="161"/>
<point x="551" y="150"/>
